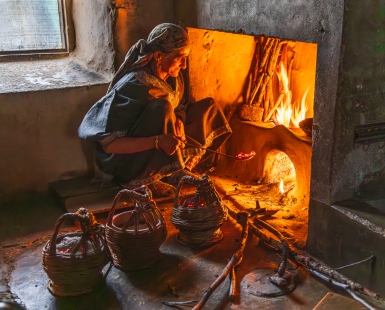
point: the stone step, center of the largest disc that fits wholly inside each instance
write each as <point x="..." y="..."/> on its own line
<point x="82" y="193"/>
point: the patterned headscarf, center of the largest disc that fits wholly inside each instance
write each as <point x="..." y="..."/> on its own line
<point x="164" y="38"/>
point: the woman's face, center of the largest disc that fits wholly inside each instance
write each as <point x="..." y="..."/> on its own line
<point x="172" y="63"/>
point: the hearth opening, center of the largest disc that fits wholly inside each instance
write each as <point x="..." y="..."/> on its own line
<point x="278" y="168"/>
<point x="266" y="88"/>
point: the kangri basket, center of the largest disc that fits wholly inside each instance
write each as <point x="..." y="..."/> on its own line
<point x="199" y="217"/>
<point x="134" y="236"/>
<point x="74" y="261"/>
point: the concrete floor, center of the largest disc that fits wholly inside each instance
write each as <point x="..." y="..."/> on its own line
<point x="189" y="271"/>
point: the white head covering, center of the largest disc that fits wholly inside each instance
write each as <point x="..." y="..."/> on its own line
<point x="164" y="38"/>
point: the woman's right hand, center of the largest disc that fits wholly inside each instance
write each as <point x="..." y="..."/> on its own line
<point x="169" y="143"/>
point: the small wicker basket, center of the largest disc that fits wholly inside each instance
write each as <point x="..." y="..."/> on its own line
<point x="250" y="112"/>
<point x="74" y="269"/>
<point x="199" y="217"/>
<point x="134" y="236"/>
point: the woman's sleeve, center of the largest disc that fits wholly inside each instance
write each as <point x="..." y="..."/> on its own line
<point x="94" y="124"/>
<point x="114" y="114"/>
<point x="111" y="137"/>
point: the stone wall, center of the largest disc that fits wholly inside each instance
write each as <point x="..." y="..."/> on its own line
<point x="361" y="100"/>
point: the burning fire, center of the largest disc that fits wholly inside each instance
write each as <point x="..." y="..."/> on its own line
<point x="281" y="189"/>
<point x="287" y="111"/>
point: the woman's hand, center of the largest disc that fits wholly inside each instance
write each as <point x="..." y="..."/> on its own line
<point x="170" y="143"/>
<point x="179" y="130"/>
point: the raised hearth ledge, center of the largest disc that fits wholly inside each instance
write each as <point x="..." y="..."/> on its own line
<point x="296" y="131"/>
<point x="263" y="138"/>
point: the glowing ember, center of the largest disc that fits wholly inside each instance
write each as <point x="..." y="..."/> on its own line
<point x="245" y="155"/>
<point x="288" y="113"/>
<point x="281" y="190"/>
<point x="194" y="203"/>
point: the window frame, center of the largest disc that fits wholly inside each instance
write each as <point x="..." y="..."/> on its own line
<point x="67" y="34"/>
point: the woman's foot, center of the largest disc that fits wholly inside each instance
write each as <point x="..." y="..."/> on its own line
<point x="161" y="189"/>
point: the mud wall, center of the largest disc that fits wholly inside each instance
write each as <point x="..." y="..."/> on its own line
<point x="221" y="65"/>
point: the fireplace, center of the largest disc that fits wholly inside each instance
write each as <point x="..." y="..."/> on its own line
<point x="277" y="79"/>
<point x="335" y="166"/>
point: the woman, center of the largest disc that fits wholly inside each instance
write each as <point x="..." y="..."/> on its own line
<point x="141" y="125"/>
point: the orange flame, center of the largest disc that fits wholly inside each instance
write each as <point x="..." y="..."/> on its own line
<point x="284" y="77"/>
<point x="299" y="112"/>
<point x="281" y="189"/>
<point x="286" y="111"/>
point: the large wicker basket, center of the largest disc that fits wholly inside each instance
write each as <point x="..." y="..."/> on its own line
<point x="134" y="236"/>
<point x="200" y="216"/>
<point x="76" y="269"/>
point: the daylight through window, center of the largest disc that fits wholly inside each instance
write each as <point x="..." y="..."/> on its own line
<point x="31" y="25"/>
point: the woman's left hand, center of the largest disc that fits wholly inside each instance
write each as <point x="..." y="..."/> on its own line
<point x="179" y="130"/>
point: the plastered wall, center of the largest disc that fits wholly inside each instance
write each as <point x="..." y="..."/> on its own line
<point x="135" y="19"/>
<point x="39" y="138"/>
<point x="93" y="21"/>
<point x="39" y="128"/>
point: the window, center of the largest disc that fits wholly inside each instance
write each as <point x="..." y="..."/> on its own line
<point x="32" y="26"/>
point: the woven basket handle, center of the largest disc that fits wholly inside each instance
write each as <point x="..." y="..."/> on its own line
<point x="190" y="180"/>
<point x="85" y="219"/>
<point x="134" y="195"/>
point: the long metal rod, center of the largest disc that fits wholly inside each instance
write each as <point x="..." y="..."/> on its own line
<point x="344" y="286"/>
<point x="203" y="148"/>
<point x="360" y="262"/>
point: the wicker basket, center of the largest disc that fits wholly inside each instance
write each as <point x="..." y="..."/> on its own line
<point x="134" y="237"/>
<point x="76" y="269"/>
<point x="200" y="216"/>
